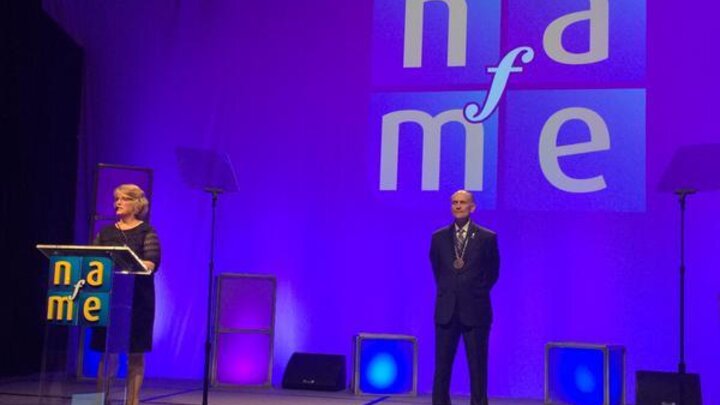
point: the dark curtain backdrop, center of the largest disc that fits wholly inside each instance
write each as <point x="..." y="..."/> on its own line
<point x="41" y="85"/>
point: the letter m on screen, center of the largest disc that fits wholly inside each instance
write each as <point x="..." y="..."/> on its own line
<point x="421" y="143"/>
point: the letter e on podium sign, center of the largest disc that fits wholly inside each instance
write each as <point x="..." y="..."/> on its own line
<point x="79" y="290"/>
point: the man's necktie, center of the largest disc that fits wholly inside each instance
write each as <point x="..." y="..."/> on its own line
<point x="460" y="241"/>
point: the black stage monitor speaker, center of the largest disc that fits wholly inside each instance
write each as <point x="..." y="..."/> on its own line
<point x="309" y="371"/>
<point x="659" y="388"/>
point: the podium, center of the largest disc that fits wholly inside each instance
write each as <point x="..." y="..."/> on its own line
<point x="92" y="287"/>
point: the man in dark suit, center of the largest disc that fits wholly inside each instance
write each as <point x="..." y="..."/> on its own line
<point x="465" y="262"/>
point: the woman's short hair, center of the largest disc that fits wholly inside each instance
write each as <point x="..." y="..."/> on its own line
<point x="142" y="204"/>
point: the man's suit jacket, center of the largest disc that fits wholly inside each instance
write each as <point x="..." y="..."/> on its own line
<point x="466" y="290"/>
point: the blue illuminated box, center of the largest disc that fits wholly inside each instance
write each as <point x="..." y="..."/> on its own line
<point x="385" y="364"/>
<point x="584" y="374"/>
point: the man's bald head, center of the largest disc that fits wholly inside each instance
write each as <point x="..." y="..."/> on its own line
<point x="462" y="205"/>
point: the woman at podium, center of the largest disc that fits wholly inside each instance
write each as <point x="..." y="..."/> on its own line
<point x="131" y="207"/>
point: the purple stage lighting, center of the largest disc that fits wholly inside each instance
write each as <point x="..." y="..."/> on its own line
<point x="245" y="329"/>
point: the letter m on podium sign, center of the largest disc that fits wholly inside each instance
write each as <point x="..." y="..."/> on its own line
<point x="79" y="290"/>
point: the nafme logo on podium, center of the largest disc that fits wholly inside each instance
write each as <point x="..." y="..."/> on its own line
<point x="79" y="290"/>
<point x="558" y="84"/>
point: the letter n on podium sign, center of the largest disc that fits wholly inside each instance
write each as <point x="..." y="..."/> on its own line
<point x="79" y="290"/>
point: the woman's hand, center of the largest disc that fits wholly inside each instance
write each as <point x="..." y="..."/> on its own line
<point x="150" y="265"/>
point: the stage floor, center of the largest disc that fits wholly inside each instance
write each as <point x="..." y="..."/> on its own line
<point x="24" y="391"/>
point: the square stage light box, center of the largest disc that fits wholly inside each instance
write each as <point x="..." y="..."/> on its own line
<point x="584" y="374"/>
<point x="385" y="364"/>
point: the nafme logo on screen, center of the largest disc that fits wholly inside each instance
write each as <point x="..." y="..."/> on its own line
<point x="558" y="85"/>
